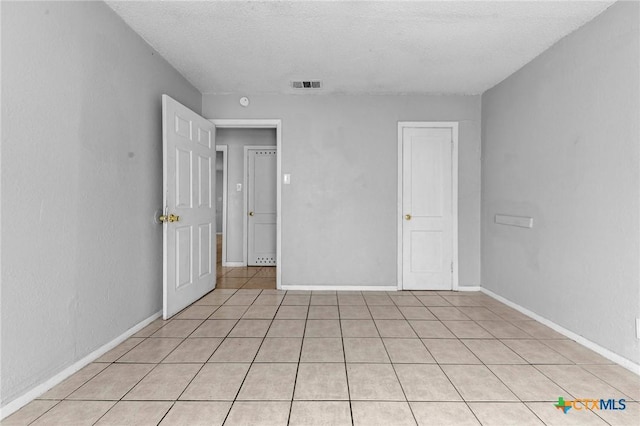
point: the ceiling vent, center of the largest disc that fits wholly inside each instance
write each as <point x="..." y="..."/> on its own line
<point x="307" y="84"/>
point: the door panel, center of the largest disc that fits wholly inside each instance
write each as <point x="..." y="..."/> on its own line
<point x="184" y="173"/>
<point x="183" y="256"/>
<point x="188" y="181"/>
<point x="427" y="231"/>
<point x="205" y="137"/>
<point x="205" y="181"/>
<point x="206" y="247"/>
<point x="264" y="182"/>
<point x="426" y="251"/>
<point x="426" y="177"/>
<point x="263" y="241"/>
<point x="261" y="193"/>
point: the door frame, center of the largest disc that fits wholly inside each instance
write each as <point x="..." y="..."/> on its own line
<point x="264" y="124"/>
<point x="245" y="202"/>
<point x="453" y="125"/>
<point x="224" y="149"/>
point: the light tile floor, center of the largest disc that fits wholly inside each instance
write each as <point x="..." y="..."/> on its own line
<point x="244" y="355"/>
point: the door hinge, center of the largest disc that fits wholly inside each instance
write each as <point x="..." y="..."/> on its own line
<point x="452" y="267"/>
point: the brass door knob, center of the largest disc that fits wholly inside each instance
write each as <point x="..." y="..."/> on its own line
<point x="169" y="218"/>
<point x="407" y="216"/>
<point x="250" y="213"/>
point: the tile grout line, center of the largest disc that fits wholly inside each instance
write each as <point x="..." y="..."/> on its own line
<point x="159" y="363"/>
<point x="90" y="378"/>
<point x="205" y="363"/>
<point x="535" y="366"/>
<point x="406" y="400"/>
<point x="127" y="392"/>
<point x="214" y="351"/>
<point x="606" y="382"/>
<point x="235" y="399"/>
<point x="295" y="380"/>
<point x="464" y="401"/>
<point x="519" y="400"/>
<point x="344" y="355"/>
<point x="46" y="411"/>
<point x="475" y="355"/>
<point x="115" y="402"/>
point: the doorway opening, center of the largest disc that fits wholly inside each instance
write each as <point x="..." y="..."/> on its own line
<point x="249" y="144"/>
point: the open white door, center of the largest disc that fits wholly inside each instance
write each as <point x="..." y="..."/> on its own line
<point x="188" y="174"/>
<point x="261" y="206"/>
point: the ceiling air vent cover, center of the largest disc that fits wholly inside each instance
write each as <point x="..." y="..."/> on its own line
<point x="307" y="84"/>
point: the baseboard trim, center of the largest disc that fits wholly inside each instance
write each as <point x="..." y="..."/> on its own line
<point x="612" y="356"/>
<point x="469" y="288"/>
<point x="234" y="264"/>
<point x="363" y="288"/>
<point x="38" y="390"/>
<point x="342" y="287"/>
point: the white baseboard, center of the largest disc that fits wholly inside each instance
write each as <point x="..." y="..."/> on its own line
<point x="342" y="287"/>
<point x="38" y="390"/>
<point x="234" y="264"/>
<point x="624" y="362"/>
<point x="469" y="288"/>
<point x="361" y="287"/>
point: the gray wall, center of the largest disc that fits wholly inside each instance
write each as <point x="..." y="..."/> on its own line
<point x="339" y="213"/>
<point x="560" y="143"/>
<point x="81" y="179"/>
<point x="236" y="140"/>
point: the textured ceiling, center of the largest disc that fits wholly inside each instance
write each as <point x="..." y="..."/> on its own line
<point x="353" y="47"/>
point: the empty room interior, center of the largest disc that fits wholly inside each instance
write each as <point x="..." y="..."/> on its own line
<point x="306" y="213"/>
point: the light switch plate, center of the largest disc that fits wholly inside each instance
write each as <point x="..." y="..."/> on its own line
<point x="286" y="179"/>
<point x="239" y="187"/>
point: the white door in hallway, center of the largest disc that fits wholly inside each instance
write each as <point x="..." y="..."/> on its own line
<point x="261" y="206"/>
<point x="189" y="252"/>
<point x="427" y="214"/>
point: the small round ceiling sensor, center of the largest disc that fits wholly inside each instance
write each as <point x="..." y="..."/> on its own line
<point x="244" y="101"/>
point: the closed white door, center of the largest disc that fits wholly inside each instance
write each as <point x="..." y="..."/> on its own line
<point x="189" y="252"/>
<point x="427" y="219"/>
<point x="261" y="207"/>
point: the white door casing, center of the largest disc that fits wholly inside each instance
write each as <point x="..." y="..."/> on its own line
<point x="189" y="249"/>
<point x="225" y="163"/>
<point x="261" y="208"/>
<point x="427" y="223"/>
